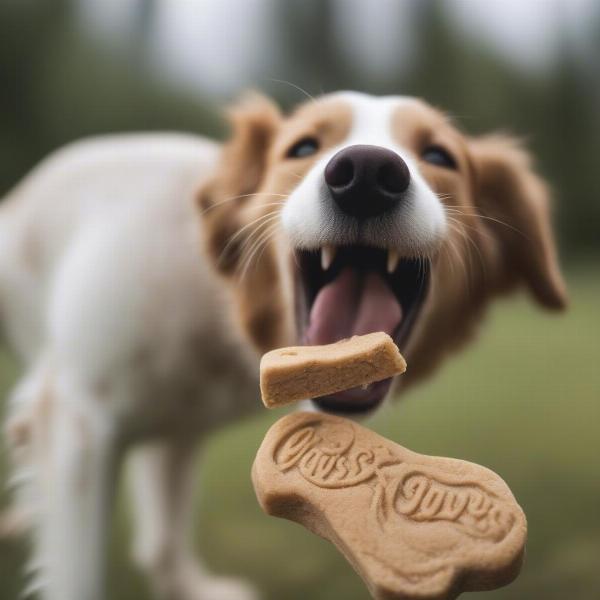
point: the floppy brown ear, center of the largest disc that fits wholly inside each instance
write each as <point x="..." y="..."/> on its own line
<point x="515" y="203"/>
<point x="254" y="121"/>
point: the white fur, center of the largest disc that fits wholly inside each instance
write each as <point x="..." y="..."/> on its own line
<point x="311" y="219"/>
<point x="109" y="301"/>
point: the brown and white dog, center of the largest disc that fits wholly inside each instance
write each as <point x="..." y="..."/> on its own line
<point x="142" y="276"/>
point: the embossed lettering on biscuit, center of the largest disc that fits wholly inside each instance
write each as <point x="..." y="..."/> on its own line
<point x="412" y="526"/>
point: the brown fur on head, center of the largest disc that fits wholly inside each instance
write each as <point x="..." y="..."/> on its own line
<point x="501" y="240"/>
<point x="497" y="236"/>
<point x="227" y="204"/>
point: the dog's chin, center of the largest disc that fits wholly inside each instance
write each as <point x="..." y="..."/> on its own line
<point x="356" y="293"/>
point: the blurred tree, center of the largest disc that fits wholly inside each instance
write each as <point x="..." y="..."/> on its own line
<point x="310" y="52"/>
<point x="25" y="31"/>
<point x="143" y="22"/>
<point x="555" y="112"/>
<point x="58" y="84"/>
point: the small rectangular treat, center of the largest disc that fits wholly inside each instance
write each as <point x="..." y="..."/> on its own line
<point x="301" y="372"/>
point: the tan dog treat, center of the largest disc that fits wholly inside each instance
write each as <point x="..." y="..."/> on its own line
<point x="412" y="526"/>
<point x="291" y="374"/>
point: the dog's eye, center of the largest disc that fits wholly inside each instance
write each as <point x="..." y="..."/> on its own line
<point x="304" y="147"/>
<point x="436" y="155"/>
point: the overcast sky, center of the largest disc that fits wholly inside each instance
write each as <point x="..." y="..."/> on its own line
<point x="219" y="45"/>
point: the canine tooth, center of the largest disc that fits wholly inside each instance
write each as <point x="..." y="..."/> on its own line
<point x="327" y="256"/>
<point x="392" y="262"/>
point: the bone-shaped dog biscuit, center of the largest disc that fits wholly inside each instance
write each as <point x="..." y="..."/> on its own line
<point x="291" y="374"/>
<point x="412" y="526"/>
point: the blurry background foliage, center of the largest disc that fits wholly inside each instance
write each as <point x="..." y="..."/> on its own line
<point x="524" y="400"/>
<point x="59" y="81"/>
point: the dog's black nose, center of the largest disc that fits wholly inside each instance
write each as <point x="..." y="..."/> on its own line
<point x="366" y="181"/>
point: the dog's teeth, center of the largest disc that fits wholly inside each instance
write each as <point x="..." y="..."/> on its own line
<point x="327" y="256"/>
<point x="392" y="262"/>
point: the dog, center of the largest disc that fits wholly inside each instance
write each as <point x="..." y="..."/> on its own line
<point x="142" y="276"/>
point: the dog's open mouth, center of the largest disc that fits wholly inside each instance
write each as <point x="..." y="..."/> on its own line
<point x="355" y="290"/>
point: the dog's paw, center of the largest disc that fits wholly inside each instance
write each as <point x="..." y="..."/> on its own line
<point x="227" y="588"/>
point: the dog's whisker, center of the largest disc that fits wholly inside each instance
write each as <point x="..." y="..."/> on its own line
<point x="271" y="217"/>
<point x="242" y="230"/>
<point x="423" y="266"/>
<point x="295" y="257"/>
<point x="479" y="231"/>
<point x="448" y="259"/>
<point x="298" y="175"/>
<point x="238" y="233"/>
<point x="256" y="234"/>
<point x="457" y="227"/>
<point x="240" y="197"/>
<point x="249" y="243"/>
<point x="462" y="212"/>
<point x="262" y="247"/>
<point x="459" y="261"/>
<point x="262" y="241"/>
<point x="265" y="204"/>
<point x="297" y="87"/>
<point x="500" y="222"/>
<point x="460" y="228"/>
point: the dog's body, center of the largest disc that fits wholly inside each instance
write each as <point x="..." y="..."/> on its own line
<point x="137" y="324"/>
<point x="106" y="298"/>
<point x="118" y="214"/>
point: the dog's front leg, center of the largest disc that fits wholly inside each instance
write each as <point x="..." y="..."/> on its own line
<point x="161" y="477"/>
<point x="74" y="459"/>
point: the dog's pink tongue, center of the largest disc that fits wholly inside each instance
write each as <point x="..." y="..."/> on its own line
<point x="352" y="304"/>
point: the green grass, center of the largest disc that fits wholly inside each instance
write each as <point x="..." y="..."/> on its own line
<point x="524" y="401"/>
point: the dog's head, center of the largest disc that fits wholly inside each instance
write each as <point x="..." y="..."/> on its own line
<point x="357" y="214"/>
